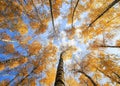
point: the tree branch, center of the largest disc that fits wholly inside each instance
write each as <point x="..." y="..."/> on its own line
<point x="109" y="46"/>
<point x="74" y="11"/>
<point x="109" y="6"/>
<point x="108" y="76"/>
<point x="12" y="80"/>
<point x="117" y="75"/>
<point x="52" y="15"/>
<point x="27" y="75"/>
<point x="94" y="84"/>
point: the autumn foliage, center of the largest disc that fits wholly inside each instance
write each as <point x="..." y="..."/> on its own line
<point x="33" y="34"/>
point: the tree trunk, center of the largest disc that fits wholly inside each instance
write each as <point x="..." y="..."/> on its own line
<point x="60" y="73"/>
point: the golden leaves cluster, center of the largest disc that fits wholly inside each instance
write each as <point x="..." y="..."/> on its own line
<point x="106" y="64"/>
<point x="2" y="66"/>
<point x="23" y="71"/>
<point x="49" y="51"/>
<point x="39" y="69"/>
<point x="34" y="48"/>
<point x="70" y="33"/>
<point x="110" y="68"/>
<point x="91" y="33"/>
<point x="5" y="36"/>
<point x="34" y="25"/>
<point x="24" y="40"/>
<point x="68" y="53"/>
<point x="41" y="29"/>
<point x="33" y="82"/>
<point x="71" y="81"/>
<point x="118" y="42"/>
<point x="69" y="17"/>
<point x="9" y="48"/>
<point x="4" y="4"/>
<point x="96" y="44"/>
<point x="92" y="64"/>
<point x="12" y="63"/>
<point x="50" y="77"/>
<point x="84" y="80"/>
<point x="12" y="8"/>
<point x="16" y="62"/>
<point x="94" y="6"/>
<point x="4" y="83"/>
<point x="23" y="29"/>
<point x="56" y="8"/>
<point x="19" y="26"/>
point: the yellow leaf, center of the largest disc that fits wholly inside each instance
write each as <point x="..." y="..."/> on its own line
<point x="68" y="53"/>
<point x="6" y="36"/>
<point x="24" y="82"/>
<point x="3" y="5"/>
<point x="23" y="60"/>
<point x="70" y="18"/>
<point x="118" y="43"/>
<point x="70" y="33"/>
<point x="13" y="64"/>
<point x="2" y="18"/>
<point x="42" y="29"/>
<point x="33" y="82"/>
<point x="39" y="69"/>
<point x="34" y="47"/>
<point x="9" y="48"/>
<point x="34" y="25"/>
<point x="2" y="66"/>
<point x="99" y="31"/>
<point x="3" y="83"/>
<point x="98" y="75"/>
<point x="71" y="81"/>
<point x="107" y="84"/>
<point x="50" y="50"/>
<point x="50" y="77"/>
<point x="23" y="30"/>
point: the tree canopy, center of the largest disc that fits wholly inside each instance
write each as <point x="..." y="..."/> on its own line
<point x="33" y="33"/>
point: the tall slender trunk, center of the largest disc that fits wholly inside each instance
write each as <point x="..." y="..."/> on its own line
<point x="60" y="73"/>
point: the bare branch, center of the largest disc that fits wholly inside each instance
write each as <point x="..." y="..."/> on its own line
<point x="50" y="2"/>
<point x="74" y="11"/>
<point x="109" y="46"/>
